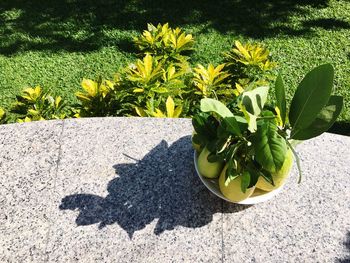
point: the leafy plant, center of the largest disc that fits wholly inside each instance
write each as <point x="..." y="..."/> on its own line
<point x="170" y="110"/>
<point x="35" y="104"/>
<point x="210" y="81"/>
<point x="102" y="98"/>
<point x="3" y="117"/>
<point x="95" y="99"/>
<point x="165" y="43"/>
<point x="249" y="64"/>
<point x="145" y="74"/>
<point x="253" y="138"/>
<point x="150" y="82"/>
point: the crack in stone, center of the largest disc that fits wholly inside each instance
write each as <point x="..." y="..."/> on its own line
<point x="46" y="254"/>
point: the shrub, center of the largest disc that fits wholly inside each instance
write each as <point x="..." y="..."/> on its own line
<point x="156" y="82"/>
<point x="212" y="82"/>
<point x="101" y="98"/>
<point x="3" y="117"/>
<point x="164" y="77"/>
<point x="34" y="104"/>
<point x="95" y="99"/>
<point x="165" y="43"/>
<point x="150" y="82"/>
<point x="170" y="110"/>
<point x="249" y="64"/>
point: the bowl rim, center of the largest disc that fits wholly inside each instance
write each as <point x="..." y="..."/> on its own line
<point x="249" y="201"/>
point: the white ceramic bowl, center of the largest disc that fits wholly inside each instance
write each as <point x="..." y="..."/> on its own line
<point x="258" y="196"/>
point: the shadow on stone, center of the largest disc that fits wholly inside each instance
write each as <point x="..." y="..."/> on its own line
<point x="347" y="245"/>
<point x="161" y="186"/>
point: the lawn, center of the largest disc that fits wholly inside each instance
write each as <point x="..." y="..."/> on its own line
<point x="56" y="43"/>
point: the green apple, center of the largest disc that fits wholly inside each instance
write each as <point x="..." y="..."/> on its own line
<point x="233" y="190"/>
<point x="279" y="177"/>
<point x="207" y="169"/>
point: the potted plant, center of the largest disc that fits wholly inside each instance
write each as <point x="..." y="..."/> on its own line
<point x="245" y="149"/>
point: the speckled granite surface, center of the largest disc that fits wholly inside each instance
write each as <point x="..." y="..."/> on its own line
<point x="125" y="190"/>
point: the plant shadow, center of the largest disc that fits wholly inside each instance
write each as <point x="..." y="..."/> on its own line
<point x="87" y="25"/>
<point x="161" y="186"/>
<point x="347" y="245"/>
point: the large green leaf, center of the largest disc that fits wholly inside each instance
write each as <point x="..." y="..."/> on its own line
<point x="254" y="100"/>
<point x="205" y="127"/>
<point x="323" y="121"/>
<point x="270" y="148"/>
<point x="211" y="105"/>
<point x="198" y="122"/>
<point x="267" y="176"/>
<point x="245" y="181"/>
<point x="232" y="125"/>
<point x="281" y="98"/>
<point x="254" y="174"/>
<point x="250" y="118"/>
<point x="310" y="97"/>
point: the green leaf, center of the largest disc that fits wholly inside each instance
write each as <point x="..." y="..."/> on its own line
<point x="254" y="100"/>
<point x="211" y="105"/>
<point x="242" y="122"/>
<point x="233" y="149"/>
<point x="310" y="97"/>
<point x="267" y="176"/>
<point x="2" y="115"/>
<point x="245" y="181"/>
<point x="222" y="144"/>
<point x="232" y="125"/>
<point x="213" y="158"/>
<point x="281" y="98"/>
<point x="231" y="171"/>
<point x="198" y="122"/>
<point x="222" y="131"/>
<point x="211" y="145"/>
<point x="251" y="119"/>
<point x="270" y="147"/>
<point x="199" y="139"/>
<point x="254" y="174"/>
<point x="159" y="90"/>
<point x="323" y="121"/>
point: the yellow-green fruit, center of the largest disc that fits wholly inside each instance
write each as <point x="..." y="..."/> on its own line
<point x="197" y="147"/>
<point x="207" y="169"/>
<point x="279" y="177"/>
<point x="233" y="190"/>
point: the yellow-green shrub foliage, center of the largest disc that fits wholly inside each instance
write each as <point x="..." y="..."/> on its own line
<point x="34" y="104"/>
<point x="249" y="64"/>
<point x="212" y="82"/>
<point x="164" y="42"/>
<point x="95" y="99"/>
<point x="171" y="111"/>
<point x="102" y="98"/>
<point x="161" y="83"/>
<point x="3" y="117"/>
<point x="151" y="82"/>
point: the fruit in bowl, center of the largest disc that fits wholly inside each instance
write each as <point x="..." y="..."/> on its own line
<point x="208" y="169"/>
<point x="232" y="190"/>
<point x="247" y="144"/>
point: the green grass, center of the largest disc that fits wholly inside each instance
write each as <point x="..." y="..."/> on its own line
<point x="57" y="43"/>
